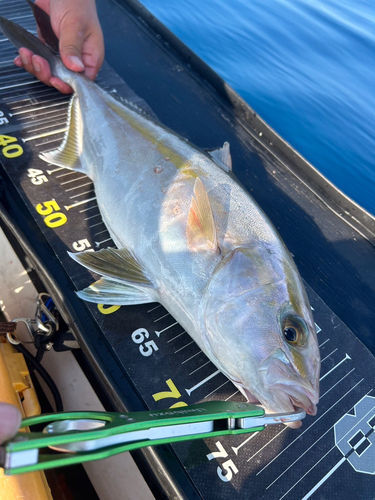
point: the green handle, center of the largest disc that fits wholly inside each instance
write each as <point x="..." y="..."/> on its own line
<point x="118" y="423"/>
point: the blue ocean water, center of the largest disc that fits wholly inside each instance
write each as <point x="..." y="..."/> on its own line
<point x="305" y="66"/>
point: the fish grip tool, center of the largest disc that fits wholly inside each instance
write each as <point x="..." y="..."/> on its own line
<point x="79" y="437"/>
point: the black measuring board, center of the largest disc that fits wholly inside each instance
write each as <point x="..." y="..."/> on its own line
<point x="331" y="456"/>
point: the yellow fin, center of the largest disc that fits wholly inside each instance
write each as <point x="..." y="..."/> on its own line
<point x="68" y="155"/>
<point x="115" y="264"/>
<point x="109" y="292"/>
<point x="201" y="229"/>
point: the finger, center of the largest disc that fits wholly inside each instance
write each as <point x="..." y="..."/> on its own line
<point x="42" y="69"/>
<point x="60" y="85"/>
<point x="35" y="65"/>
<point x="18" y="62"/>
<point x="93" y="54"/>
<point x="71" y="44"/>
<point x="10" y="420"/>
<point x="26" y="55"/>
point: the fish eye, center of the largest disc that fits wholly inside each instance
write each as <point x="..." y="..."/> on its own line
<point x="294" y="331"/>
<point x="291" y="334"/>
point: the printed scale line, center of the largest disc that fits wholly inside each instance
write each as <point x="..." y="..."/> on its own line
<point x="74" y="180"/>
<point x="189" y="391"/>
<point x="81" y="194"/>
<point x="78" y="187"/>
<point x="321" y="345"/>
<point x="329" y="354"/>
<point x="45" y="134"/>
<point x="34" y="110"/>
<point x="328" y="452"/>
<point x="181" y="348"/>
<point x="191" y="357"/>
<point x="174" y="338"/>
<point x="50" y="172"/>
<point x="340" y="462"/>
<point x="206" y="363"/>
<point x="164" y="329"/>
<point x="217" y="388"/>
<point x="89" y="208"/>
<point x="92" y="216"/>
<point x="334" y="368"/>
<point x="227" y="399"/>
<point x="78" y="203"/>
<point x="161" y="317"/>
<point x="236" y="448"/>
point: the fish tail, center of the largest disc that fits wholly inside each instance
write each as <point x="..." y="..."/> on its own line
<point x="22" y="38"/>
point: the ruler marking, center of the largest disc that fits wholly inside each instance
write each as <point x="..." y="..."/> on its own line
<point x="87" y="209"/>
<point x="206" y="363"/>
<point x="191" y="357"/>
<point x="220" y="386"/>
<point x="181" y="348"/>
<point x="161" y="317"/>
<point x="329" y="355"/>
<point x="231" y="396"/>
<point x="81" y="194"/>
<point x="174" y="338"/>
<point x="336" y="366"/>
<point x="78" y="203"/>
<point x="74" y="180"/>
<point x="321" y="345"/>
<point x="202" y="382"/>
<point x="78" y="187"/>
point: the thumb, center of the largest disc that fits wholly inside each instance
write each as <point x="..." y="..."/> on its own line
<point x="71" y="43"/>
<point x="10" y="420"/>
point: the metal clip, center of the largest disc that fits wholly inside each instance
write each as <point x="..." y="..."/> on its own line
<point x="13" y="339"/>
<point x="38" y="326"/>
<point x="45" y="327"/>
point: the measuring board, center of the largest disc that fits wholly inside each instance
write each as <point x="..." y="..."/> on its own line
<point x="331" y="456"/>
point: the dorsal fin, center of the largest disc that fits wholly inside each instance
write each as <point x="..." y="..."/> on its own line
<point x="140" y="106"/>
<point x="201" y="229"/>
<point x="69" y="153"/>
<point x="222" y="157"/>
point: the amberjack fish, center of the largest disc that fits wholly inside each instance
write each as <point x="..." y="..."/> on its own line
<point x="190" y="237"/>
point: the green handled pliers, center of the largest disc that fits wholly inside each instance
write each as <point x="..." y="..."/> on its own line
<point x="85" y="436"/>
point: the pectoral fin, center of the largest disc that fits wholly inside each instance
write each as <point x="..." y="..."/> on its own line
<point x="68" y="155"/>
<point x="201" y="229"/>
<point x="124" y="280"/>
<point x="116" y="264"/>
<point x="222" y="157"/>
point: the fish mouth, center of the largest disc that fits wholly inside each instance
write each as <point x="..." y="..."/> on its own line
<point x="290" y="391"/>
<point x="296" y="397"/>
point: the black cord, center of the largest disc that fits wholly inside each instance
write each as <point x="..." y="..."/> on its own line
<point x="44" y="374"/>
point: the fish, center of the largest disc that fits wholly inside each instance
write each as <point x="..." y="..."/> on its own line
<point x="190" y="237"/>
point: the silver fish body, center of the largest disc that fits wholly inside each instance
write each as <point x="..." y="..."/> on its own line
<point x="190" y="237"/>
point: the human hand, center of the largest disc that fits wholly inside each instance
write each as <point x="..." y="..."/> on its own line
<point x="10" y="420"/>
<point x="81" y="44"/>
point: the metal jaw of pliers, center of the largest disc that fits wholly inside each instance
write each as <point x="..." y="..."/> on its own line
<point x="86" y="436"/>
